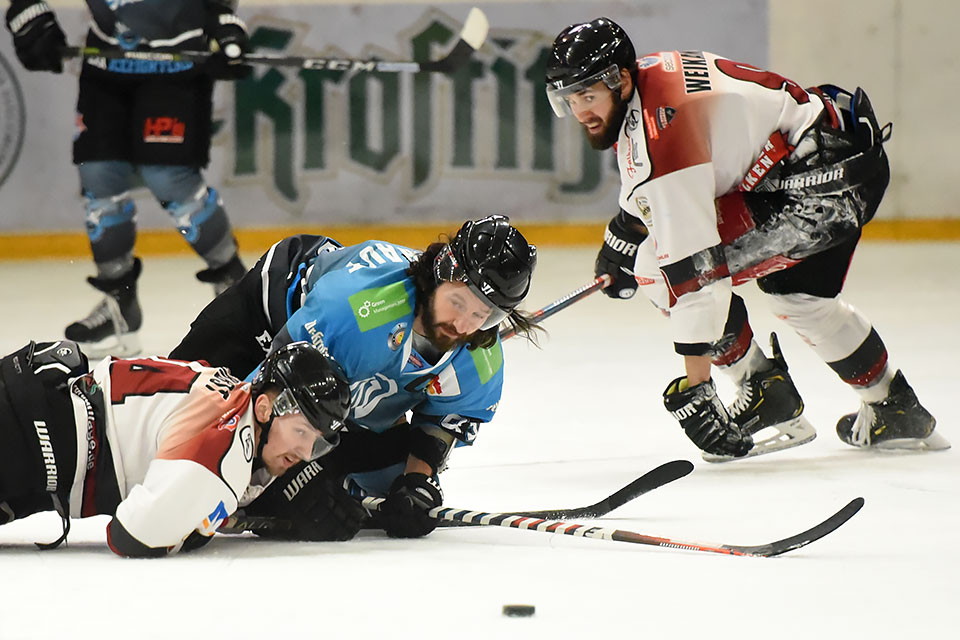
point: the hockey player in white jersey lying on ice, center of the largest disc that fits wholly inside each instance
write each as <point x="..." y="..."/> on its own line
<point x="730" y="173"/>
<point x="414" y="332"/>
<point x="168" y="448"/>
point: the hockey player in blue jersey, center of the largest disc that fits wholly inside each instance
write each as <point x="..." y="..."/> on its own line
<point x="414" y="332"/>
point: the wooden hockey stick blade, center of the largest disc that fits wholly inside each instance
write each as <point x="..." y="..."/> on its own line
<point x="653" y="479"/>
<point x="481" y="519"/>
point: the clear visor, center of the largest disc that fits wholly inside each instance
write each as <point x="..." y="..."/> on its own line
<point x="449" y="269"/>
<point x="497" y="315"/>
<point x="559" y="96"/>
<point x="308" y="441"/>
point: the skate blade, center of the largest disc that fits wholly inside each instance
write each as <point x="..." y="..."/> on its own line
<point x="933" y="442"/>
<point x="127" y="344"/>
<point x="786" y="435"/>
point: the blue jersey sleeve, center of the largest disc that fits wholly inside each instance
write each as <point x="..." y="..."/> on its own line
<point x="479" y="384"/>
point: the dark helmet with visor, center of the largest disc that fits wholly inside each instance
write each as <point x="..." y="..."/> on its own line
<point x="311" y="385"/>
<point x="491" y="257"/>
<point x="583" y="55"/>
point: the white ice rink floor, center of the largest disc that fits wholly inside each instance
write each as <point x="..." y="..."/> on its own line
<point x="579" y="418"/>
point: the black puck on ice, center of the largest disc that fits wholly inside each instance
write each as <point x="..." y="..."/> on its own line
<point x="518" y="610"/>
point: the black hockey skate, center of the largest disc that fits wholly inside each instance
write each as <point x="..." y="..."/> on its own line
<point x="224" y="276"/>
<point x="112" y="326"/>
<point x="768" y="402"/>
<point x="898" y="421"/>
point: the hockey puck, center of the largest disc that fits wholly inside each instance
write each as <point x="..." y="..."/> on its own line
<point x="518" y="610"/>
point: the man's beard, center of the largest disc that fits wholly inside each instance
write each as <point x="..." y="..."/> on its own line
<point x="441" y="341"/>
<point x="610" y="133"/>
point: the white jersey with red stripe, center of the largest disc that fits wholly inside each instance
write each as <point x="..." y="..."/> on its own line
<point x="694" y="128"/>
<point x="181" y="439"/>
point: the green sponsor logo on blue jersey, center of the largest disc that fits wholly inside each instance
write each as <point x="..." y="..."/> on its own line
<point x="376" y="307"/>
<point x="487" y="361"/>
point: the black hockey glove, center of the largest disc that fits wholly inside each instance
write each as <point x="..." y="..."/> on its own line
<point x="704" y="418"/>
<point x="404" y="513"/>
<point x="229" y="33"/>
<point x="620" y="241"/>
<point x="314" y="501"/>
<point x="37" y="37"/>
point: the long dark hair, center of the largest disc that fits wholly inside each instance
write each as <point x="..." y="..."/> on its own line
<point x="421" y="270"/>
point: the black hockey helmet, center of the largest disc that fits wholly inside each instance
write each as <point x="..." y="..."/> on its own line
<point x="491" y="257"/>
<point x="311" y="384"/>
<point x="584" y="54"/>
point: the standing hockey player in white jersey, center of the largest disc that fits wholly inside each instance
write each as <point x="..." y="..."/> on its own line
<point x="414" y="332"/>
<point x="729" y="173"/>
<point x="141" y="117"/>
<point x="168" y="448"/>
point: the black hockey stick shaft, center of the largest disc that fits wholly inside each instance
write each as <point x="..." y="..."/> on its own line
<point x="472" y="36"/>
<point x="653" y="479"/>
<point x="600" y="282"/>
<point x="481" y="519"/>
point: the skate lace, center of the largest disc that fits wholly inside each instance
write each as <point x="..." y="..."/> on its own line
<point x="743" y="401"/>
<point x="107" y="311"/>
<point x="863" y="426"/>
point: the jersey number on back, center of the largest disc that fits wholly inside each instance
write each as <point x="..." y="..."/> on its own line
<point x="767" y="79"/>
<point x="148" y="377"/>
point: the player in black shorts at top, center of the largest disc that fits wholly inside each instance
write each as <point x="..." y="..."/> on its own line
<point x="146" y="117"/>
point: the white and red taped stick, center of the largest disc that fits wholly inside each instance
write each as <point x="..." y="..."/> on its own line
<point x="600" y="282"/>
<point x="515" y="521"/>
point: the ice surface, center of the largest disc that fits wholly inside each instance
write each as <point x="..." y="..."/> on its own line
<point x="579" y="418"/>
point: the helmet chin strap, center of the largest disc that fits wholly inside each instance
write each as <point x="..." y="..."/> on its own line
<point x="264" y="433"/>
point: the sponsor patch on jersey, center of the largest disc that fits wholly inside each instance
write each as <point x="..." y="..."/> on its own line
<point x="230" y="424"/>
<point x="669" y="61"/>
<point x="246" y="439"/>
<point x="218" y="515"/>
<point x="647" y="62"/>
<point x="415" y="360"/>
<point x="664" y="116"/>
<point x="487" y="361"/>
<point x="395" y="339"/>
<point x="164" y="129"/>
<point x="316" y="337"/>
<point x="643" y="208"/>
<point x="376" y="307"/>
<point x="444" y="384"/>
<point x="652" y="130"/>
<point x="633" y="120"/>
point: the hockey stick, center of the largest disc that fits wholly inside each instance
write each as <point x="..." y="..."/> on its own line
<point x="480" y="519"/>
<point x="472" y="36"/>
<point x="653" y="479"/>
<point x="600" y="282"/>
<point x="664" y="474"/>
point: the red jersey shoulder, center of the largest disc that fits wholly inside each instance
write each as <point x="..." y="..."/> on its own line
<point x="675" y="117"/>
<point x="210" y="445"/>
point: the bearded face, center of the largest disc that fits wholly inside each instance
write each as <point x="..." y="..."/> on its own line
<point x="603" y="128"/>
